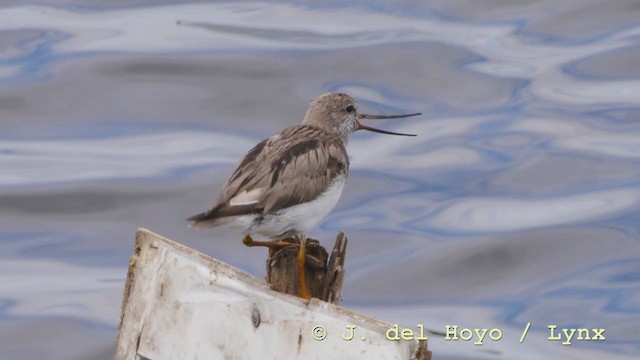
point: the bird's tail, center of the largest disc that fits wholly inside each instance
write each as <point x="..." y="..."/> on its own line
<point x="205" y="219"/>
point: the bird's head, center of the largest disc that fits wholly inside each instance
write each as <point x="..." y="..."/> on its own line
<point x="338" y="113"/>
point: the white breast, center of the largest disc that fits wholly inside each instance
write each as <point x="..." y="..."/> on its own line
<point x="301" y="218"/>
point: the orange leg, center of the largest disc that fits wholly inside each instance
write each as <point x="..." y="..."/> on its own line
<point x="248" y="241"/>
<point x="300" y="260"/>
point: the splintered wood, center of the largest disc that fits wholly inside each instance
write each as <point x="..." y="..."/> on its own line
<point x="324" y="279"/>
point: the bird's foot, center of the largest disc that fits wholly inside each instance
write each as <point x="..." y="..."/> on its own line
<point x="300" y="258"/>
<point x="278" y="244"/>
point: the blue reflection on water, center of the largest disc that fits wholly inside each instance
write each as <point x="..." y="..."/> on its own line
<point x="517" y="203"/>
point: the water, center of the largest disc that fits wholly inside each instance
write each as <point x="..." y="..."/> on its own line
<point x="518" y="203"/>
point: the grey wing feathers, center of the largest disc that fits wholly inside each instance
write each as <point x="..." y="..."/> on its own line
<point x="292" y="167"/>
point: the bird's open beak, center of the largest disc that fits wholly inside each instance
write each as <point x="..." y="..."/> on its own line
<point x="367" y="116"/>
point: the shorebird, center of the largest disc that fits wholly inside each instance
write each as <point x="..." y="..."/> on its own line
<point x="287" y="183"/>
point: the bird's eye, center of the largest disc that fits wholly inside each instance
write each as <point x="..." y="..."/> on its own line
<point x="350" y="109"/>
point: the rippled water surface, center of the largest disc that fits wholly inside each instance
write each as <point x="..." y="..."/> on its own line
<point x="517" y="203"/>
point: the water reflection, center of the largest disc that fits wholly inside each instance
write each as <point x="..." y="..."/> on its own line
<point x="517" y="202"/>
<point x="497" y="215"/>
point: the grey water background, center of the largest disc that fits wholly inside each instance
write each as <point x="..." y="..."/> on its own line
<point x="518" y="202"/>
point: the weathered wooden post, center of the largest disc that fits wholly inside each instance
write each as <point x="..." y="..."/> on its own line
<point x="324" y="274"/>
<point x="181" y="304"/>
<point x="323" y="277"/>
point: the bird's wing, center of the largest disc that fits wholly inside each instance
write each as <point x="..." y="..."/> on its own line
<point x="293" y="167"/>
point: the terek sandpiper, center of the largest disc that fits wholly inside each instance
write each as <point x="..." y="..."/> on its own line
<point x="287" y="183"/>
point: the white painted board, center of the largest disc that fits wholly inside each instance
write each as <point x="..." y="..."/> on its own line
<point x="181" y="304"/>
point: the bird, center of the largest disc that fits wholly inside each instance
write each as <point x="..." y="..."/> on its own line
<point x="287" y="183"/>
